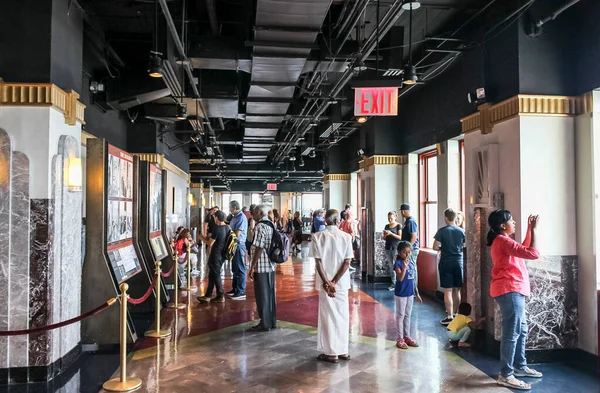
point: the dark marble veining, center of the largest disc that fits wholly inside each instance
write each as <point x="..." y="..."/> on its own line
<point x="552" y="311"/>
<point x="381" y="266"/>
<point x="40" y="261"/>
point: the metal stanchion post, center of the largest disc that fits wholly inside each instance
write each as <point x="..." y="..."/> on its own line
<point x="175" y="303"/>
<point x="189" y="287"/>
<point x="122" y="384"/>
<point x="157" y="333"/>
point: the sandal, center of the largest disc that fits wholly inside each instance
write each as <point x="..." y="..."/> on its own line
<point x="344" y="357"/>
<point x="513" y="383"/>
<point x="527" y="372"/>
<point x="328" y="359"/>
<point x="401" y="344"/>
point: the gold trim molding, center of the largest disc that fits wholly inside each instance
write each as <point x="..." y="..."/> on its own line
<point x="84" y="137"/>
<point x="163" y="163"/>
<point x="197" y="185"/>
<point x="382" y="160"/>
<point x="525" y="105"/>
<point x="43" y="94"/>
<point x="336" y="176"/>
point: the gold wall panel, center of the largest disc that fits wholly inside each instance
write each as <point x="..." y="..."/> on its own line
<point x="43" y="94"/>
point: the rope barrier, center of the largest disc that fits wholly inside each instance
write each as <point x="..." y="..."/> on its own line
<point x="95" y="311"/>
<point x="165" y="275"/>
<point x="146" y="295"/>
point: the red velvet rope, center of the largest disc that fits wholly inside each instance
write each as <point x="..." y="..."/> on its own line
<point x="60" y="324"/>
<point x="146" y="295"/>
<point x="165" y="275"/>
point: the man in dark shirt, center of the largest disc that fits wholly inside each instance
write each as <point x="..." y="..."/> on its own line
<point x="410" y="233"/>
<point x="218" y="237"/>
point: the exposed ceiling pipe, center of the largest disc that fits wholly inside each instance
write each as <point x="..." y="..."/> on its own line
<point x="212" y="16"/>
<point x="186" y="63"/>
<point x="394" y="12"/>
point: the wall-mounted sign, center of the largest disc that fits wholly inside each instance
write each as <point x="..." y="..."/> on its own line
<point x="376" y="101"/>
<point x="271" y="186"/>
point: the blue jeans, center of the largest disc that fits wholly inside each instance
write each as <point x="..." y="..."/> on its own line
<point x="514" y="333"/>
<point x="462" y="335"/>
<point x="238" y="267"/>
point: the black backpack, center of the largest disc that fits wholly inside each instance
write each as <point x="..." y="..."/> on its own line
<point x="230" y="245"/>
<point x="279" y="249"/>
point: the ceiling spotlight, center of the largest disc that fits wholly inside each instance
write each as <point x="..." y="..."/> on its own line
<point x="212" y="161"/>
<point x="301" y="163"/>
<point x="293" y="168"/>
<point x="155" y="65"/>
<point x="410" y="75"/>
<point x="292" y="158"/>
<point x="410" y="5"/>
<point x="312" y="154"/>
<point x="332" y="139"/>
<point x="287" y="174"/>
<point x="361" y="119"/>
<point x="181" y="111"/>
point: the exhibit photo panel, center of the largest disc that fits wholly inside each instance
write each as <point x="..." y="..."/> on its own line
<point x="149" y="225"/>
<point x="111" y="257"/>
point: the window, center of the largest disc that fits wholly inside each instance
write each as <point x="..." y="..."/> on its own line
<point x="228" y="198"/>
<point x="428" y="210"/>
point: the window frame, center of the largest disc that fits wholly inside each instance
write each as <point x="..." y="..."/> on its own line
<point x="424" y="201"/>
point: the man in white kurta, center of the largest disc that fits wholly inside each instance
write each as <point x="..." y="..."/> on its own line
<point x="332" y="250"/>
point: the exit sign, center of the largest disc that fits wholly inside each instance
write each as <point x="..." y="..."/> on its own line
<point x="376" y="101"/>
<point x="271" y="186"/>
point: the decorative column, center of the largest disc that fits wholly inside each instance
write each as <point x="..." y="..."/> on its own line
<point x="40" y="228"/>
<point x="520" y="155"/>
<point x="335" y="191"/>
<point x="383" y="191"/>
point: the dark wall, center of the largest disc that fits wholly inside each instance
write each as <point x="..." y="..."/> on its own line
<point x="25" y="44"/>
<point x="67" y="45"/>
<point x="585" y="54"/>
<point x="103" y="124"/>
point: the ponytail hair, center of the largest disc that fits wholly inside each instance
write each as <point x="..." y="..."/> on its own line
<point x="495" y="220"/>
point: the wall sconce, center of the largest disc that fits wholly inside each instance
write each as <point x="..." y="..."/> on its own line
<point x="74" y="175"/>
<point x="191" y="200"/>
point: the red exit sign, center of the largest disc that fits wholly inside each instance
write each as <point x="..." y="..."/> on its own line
<point x="376" y="101"/>
<point x="271" y="186"/>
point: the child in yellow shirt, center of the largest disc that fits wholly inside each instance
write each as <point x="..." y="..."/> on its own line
<point x="461" y="326"/>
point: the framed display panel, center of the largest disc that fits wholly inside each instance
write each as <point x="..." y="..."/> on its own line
<point x="150" y="230"/>
<point x="112" y="256"/>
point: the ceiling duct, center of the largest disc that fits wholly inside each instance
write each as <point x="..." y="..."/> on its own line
<point x="284" y="35"/>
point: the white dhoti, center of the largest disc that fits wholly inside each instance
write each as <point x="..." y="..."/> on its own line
<point x="334" y="323"/>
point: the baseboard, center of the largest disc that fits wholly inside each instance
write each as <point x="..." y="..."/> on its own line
<point x="35" y="374"/>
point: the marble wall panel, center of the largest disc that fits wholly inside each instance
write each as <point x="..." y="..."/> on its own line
<point x="55" y="272"/>
<point x="19" y="260"/>
<point x="70" y="250"/>
<point x="5" y="200"/>
<point x="41" y="264"/>
<point x="552" y="311"/>
<point x="381" y="266"/>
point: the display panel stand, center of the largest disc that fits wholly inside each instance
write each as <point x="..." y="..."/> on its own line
<point x="111" y="257"/>
<point x="168" y="261"/>
<point x="150" y="229"/>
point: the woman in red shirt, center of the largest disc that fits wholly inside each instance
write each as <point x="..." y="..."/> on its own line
<point x="509" y="287"/>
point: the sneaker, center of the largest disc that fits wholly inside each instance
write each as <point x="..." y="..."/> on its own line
<point x="230" y="293"/>
<point x="464" y="344"/>
<point x="238" y="297"/>
<point x="392" y="288"/>
<point x="219" y="299"/>
<point x="528" y="372"/>
<point x="195" y="272"/>
<point x="513" y="383"/>
<point x="446" y="321"/>
<point x="203" y="299"/>
<point x="410" y="342"/>
<point x="401" y="344"/>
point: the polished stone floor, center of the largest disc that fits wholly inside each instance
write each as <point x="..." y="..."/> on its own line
<point x="211" y="350"/>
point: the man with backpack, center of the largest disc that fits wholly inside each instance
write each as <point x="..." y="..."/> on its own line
<point x="218" y="239"/>
<point x="262" y="269"/>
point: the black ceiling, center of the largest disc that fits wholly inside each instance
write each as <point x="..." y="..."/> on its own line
<point x="266" y="72"/>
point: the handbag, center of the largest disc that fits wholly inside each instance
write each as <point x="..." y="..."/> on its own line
<point x="356" y="243"/>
